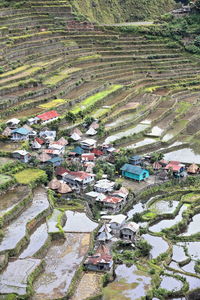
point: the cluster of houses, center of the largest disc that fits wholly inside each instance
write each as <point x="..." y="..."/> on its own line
<point x="115" y="227"/>
<point x="83" y="150"/>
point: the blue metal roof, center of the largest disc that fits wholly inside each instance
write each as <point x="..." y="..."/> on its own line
<point x="133" y="169"/>
<point x="55" y="159"/>
<point x="21" y="130"/>
<point x="135" y="157"/>
<point x="78" y="150"/>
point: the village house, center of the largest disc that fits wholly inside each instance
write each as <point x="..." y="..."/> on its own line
<point x="87" y="157"/>
<point x="48" y="117"/>
<point x="13" y="123"/>
<point x="94" y="196"/>
<point x="129" y="231"/>
<point x="35" y="145"/>
<point x="115" y="222"/>
<point x="33" y="121"/>
<point x="79" y="179"/>
<point x="51" y="152"/>
<point x="104" y="233"/>
<point x="88" y="144"/>
<point x="7" y="132"/>
<point x="134" y="172"/>
<point x="55" y="161"/>
<point x="122" y="193"/>
<point x="22" y="155"/>
<point x="91" y="131"/>
<point x="101" y="260"/>
<point x="48" y="135"/>
<point x="75" y="137"/>
<point x="59" y="172"/>
<point x="77" y="151"/>
<point x="112" y="204"/>
<point x="176" y="168"/>
<point x="57" y="147"/>
<point x="62" y="141"/>
<point x="20" y="134"/>
<point x="104" y="186"/>
<point x="97" y="152"/>
<point x="44" y="157"/>
<point x="193" y="169"/>
<point x="135" y="160"/>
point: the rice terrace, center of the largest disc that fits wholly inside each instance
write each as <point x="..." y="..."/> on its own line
<point x="100" y="149"/>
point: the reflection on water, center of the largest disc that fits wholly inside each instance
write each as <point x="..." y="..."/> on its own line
<point x="170" y="283"/>
<point x="164" y="206"/>
<point x="168" y="223"/>
<point x="159" y="245"/>
<point x="185" y="155"/>
<point x="119" y="135"/>
<point x="61" y="263"/>
<point x="193" y="226"/>
<point x="130" y="283"/>
<point x="78" y="222"/>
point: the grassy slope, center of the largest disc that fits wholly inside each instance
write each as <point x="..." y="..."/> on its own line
<point x="110" y="11"/>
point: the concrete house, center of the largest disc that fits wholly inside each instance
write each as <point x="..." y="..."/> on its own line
<point x="100" y="261"/>
<point x="129" y="231"/>
<point x="104" y="186"/>
<point x="22" y="155"/>
<point x="112" y="204"/>
<point x="135" y="160"/>
<point x="48" y="117"/>
<point x="88" y="144"/>
<point x="13" y="123"/>
<point x="134" y="172"/>
<point x="79" y="179"/>
<point x="20" y="134"/>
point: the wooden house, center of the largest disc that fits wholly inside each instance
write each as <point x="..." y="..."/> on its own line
<point x="135" y="160"/>
<point x="22" y="155"/>
<point x="129" y="231"/>
<point x="101" y="260"/>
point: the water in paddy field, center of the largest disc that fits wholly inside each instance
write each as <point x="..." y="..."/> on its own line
<point x="144" y="142"/>
<point x="170" y="283"/>
<point x="130" y="283"/>
<point x="193" y="226"/>
<point x="37" y="241"/>
<point x="11" y="198"/>
<point x="164" y="206"/>
<point x="131" y="131"/>
<point x="16" y="231"/>
<point x="61" y="262"/>
<point x="168" y="223"/>
<point x="159" y="245"/>
<point x="178" y="253"/>
<point x="78" y="222"/>
<point x="186" y="155"/>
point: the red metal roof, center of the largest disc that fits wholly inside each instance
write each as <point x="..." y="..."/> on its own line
<point x="88" y="156"/>
<point x="112" y="199"/>
<point x="173" y="167"/>
<point x="101" y="255"/>
<point x="60" y="171"/>
<point x="80" y="174"/>
<point x="97" y="152"/>
<point x="40" y="141"/>
<point x="48" y="115"/>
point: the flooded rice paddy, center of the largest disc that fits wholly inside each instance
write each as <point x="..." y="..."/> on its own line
<point x="144" y="142"/>
<point x="15" y="276"/>
<point x="186" y="155"/>
<point x="130" y="284"/>
<point x="159" y="245"/>
<point x="166" y="206"/>
<point x="169" y="222"/>
<point x="78" y="222"/>
<point x="131" y="131"/>
<point x="16" y="231"/>
<point x="9" y="199"/>
<point x="170" y="283"/>
<point x="193" y="226"/>
<point x="62" y="260"/>
<point x="37" y="240"/>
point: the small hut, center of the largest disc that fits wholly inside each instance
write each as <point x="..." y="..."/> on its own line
<point x="44" y="157"/>
<point x="54" y="184"/>
<point x="64" y="188"/>
<point x="193" y="169"/>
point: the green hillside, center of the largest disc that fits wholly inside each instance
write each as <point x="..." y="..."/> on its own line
<point x="109" y="11"/>
<point x="106" y="11"/>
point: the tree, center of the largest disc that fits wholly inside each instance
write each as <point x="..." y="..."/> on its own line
<point x="88" y="121"/>
<point x="156" y="156"/>
<point x="70" y="117"/>
<point x="144" y="247"/>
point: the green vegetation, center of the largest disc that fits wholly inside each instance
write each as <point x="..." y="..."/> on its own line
<point x="120" y="11"/>
<point x="95" y="98"/>
<point x="52" y="103"/>
<point x="4" y="179"/>
<point x="30" y="176"/>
